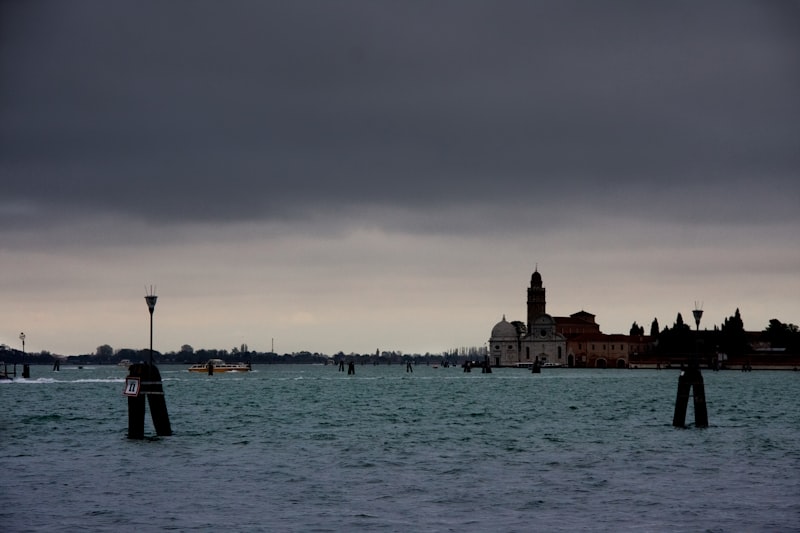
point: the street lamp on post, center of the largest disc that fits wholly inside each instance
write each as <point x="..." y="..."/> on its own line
<point x="690" y="383"/>
<point x="698" y="314"/>
<point x="143" y="382"/>
<point x="151" y="305"/>
<point x="24" y="367"/>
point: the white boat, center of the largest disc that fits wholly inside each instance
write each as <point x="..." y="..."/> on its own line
<point x="218" y="366"/>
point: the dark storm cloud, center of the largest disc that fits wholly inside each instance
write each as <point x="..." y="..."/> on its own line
<point x="213" y="111"/>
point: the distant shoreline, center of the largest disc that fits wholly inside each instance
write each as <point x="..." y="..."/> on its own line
<point x="636" y="366"/>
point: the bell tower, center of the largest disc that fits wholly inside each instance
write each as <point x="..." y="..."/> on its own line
<point x="536" y="299"/>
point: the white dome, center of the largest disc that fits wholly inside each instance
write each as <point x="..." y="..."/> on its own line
<point x="504" y="329"/>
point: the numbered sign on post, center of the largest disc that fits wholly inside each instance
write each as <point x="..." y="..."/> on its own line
<point x="132" y="386"/>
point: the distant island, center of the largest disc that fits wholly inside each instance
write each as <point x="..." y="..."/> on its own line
<point x="777" y="346"/>
<point x="576" y="341"/>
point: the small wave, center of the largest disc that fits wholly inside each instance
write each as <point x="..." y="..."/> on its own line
<point x="99" y="380"/>
<point x="42" y="418"/>
<point x="34" y="381"/>
<point x="48" y="381"/>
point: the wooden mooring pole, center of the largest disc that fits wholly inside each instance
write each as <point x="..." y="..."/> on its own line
<point x="691" y="382"/>
<point x="144" y="380"/>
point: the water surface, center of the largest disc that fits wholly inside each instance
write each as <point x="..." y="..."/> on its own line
<point x="307" y="448"/>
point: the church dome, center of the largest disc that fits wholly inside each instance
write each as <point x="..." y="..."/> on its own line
<point x="504" y="329"/>
<point x="536" y="279"/>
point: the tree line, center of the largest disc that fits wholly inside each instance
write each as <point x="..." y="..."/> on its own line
<point x="729" y="338"/>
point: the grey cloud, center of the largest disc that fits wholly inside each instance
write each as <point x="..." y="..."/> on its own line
<point x="203" y="111"/>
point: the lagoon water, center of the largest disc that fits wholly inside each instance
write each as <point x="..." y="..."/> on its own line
<point x="299" y="448"/>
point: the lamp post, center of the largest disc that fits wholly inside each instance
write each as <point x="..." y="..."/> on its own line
<point x="24" y="373"/>
<point x="691" y="382"/>
<point x="145" y="381"/>
<point x="698" y="314"/>
<point x="151" y="305"/>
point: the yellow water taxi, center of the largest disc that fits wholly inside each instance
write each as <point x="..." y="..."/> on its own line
<point x="217" y="366"/>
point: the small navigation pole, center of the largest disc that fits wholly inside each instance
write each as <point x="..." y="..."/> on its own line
<point x="144" y="380"/>
<point x="26" y="369"/>
<point x="691" y="380"/>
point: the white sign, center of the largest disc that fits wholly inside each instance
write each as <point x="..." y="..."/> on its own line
<point x="132" y="386"/>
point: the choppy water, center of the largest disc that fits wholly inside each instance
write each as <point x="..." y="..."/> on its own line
<point x="308" y="448"/>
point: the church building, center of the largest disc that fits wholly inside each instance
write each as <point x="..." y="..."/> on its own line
<point x="572" y="341"/>
<point x="521" y="344"/>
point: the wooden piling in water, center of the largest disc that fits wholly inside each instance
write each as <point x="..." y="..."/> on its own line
<point x="144" y="380"/>
<point x="690" y="382"/>
<point x="158" y="404"/>
<point x="700" y="411"/>
<point x="136" y="374"/>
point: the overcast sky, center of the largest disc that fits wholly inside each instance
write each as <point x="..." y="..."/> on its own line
<point x="387" y="175"/>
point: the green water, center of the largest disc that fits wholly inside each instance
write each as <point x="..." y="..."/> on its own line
<point x="308" y="448"/>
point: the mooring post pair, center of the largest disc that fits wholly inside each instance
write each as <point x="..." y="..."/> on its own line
<point x="690" y="382"/>
<point x="144" y="379"/>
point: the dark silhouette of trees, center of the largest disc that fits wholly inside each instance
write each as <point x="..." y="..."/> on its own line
<point x="780" y="335"/>
<point x="654" y="328"/>
<point x="732" y="337"/>
<point x="636" y="330"/>
<point x="676" y="341"/>
<point x="129" y="354"/>
<point x="104" y="351"/>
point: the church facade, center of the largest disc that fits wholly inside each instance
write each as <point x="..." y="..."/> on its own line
<point x="521" y="344"/>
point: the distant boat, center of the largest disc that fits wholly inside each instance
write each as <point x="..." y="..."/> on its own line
<point x="125" y="362"/>
<point x="218" y="366"/>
